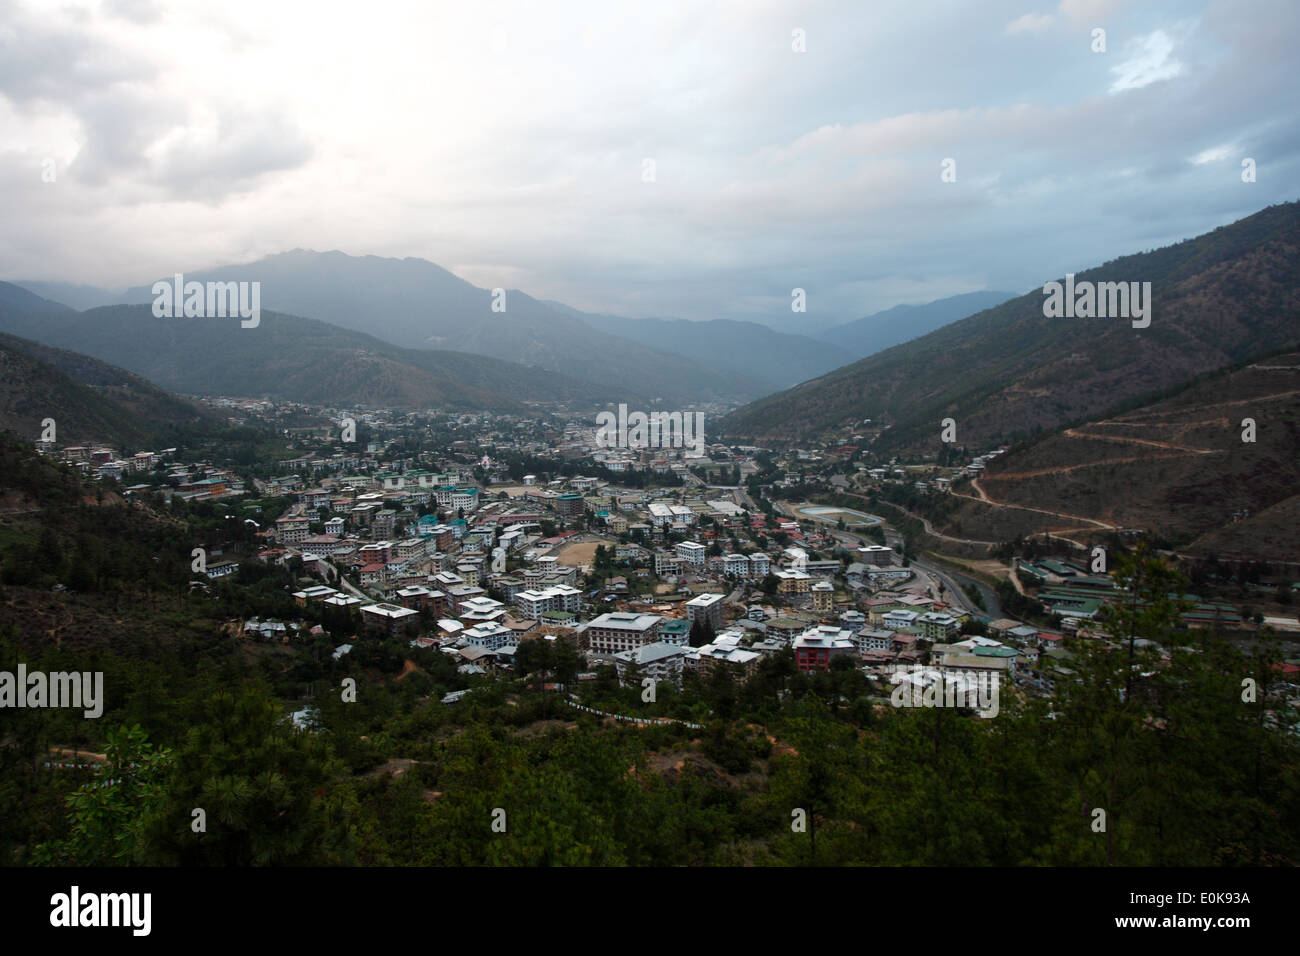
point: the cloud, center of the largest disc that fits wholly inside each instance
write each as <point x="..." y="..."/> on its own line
<point x="1151" y="63"/>
<point x="1029" y="23"/>
<point x="221" y="133"/>
<point x="1082" y="14"/>
<point x="1214" y="154"/>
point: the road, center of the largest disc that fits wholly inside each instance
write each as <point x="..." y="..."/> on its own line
<point x="954" y="594"/>
<point x="932" y="575"/>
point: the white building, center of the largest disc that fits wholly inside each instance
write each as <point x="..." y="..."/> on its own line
<point x="533" y="603"/>
<point x="692" y="552"/>
<point x="658" y="661"/>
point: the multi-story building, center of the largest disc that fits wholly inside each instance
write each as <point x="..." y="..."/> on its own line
<point x="724" y="650"/>
<point x="823" y="597"/>
<point x="481" y="610"/>
<point x="793" y="582"/>
<point x="622" y="631"/>
<point x="569" y="506"/>
<point x="815" y="647"/>
<point x="388" y="618"/>
<point x="706" y="607"/>
<point x="692" y="553"/>
<point x="874" y="639"/>
<point x="667" y="564"/>
<point x="938" y="627"/>
<point x="735" y="565"/>
<point x="533" y="603"/>
<point x="658" y="661"/>
<point x="876" y="555"/>
<point x="900" y="620"/>
<point x="674" y="630"/>
<point x="491" y="635"/>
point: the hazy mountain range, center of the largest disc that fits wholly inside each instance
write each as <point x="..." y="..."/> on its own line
<point x="415" y="304"/>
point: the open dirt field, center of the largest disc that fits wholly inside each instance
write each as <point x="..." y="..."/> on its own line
<point x="575" y="555"/>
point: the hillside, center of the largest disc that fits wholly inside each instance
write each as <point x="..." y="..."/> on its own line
<point x="777" y="359"/>
<point x="1177" y="466"/>
<point x="88" y="399"/>
<point x="415" y="304"/>
<point x="902" y="323"/>
<point x="292" y="358"/>
<point x="1009" y="372"/>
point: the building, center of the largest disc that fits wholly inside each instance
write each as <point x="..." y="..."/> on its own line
<point x="569" y="506"/>
<point x="735" y="565"/>
<point x="876" y="555"/>
<point x="692" y="552"/>
<point x="658" y="661"/>
<point x="816" y="647"/>
<point x="724" y="650"/>
<point x="874" y="639"/>
<point x="705" y="607"/>
<point x="675" y="631"/>
<point x="793" y="582"/>
<point x="823" y="597"/>
<point x="939" y="627"/>
<point x="388" y="618"/>
<point x="667" y="564"/>
<point x="490" y="635"/>
<point x="533" y="603"/>
<point x="622" y="631"/>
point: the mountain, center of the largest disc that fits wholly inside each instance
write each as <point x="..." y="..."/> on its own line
<point x="902" y="323"/>
<point x="415" y="304"/>
<point x="17" y="299"/>
<point x="88" y="400"/>
<point x="1177" y="465"/>
<point x="1010" y="372"/>
<point x="293" y="358"/>
<point x="73" y="295"/>
<point x="777" y="359"/>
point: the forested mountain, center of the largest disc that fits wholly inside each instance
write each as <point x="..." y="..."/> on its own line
<point x="289" y="357"/>
<point x="1178" y="465"/>
<point x="88" y="400"/>
<point x="1011" y="372"/>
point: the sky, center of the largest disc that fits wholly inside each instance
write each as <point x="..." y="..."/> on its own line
<point x="696" y="160"/>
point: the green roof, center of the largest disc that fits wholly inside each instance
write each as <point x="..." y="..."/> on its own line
<point x="996" y="652"/>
